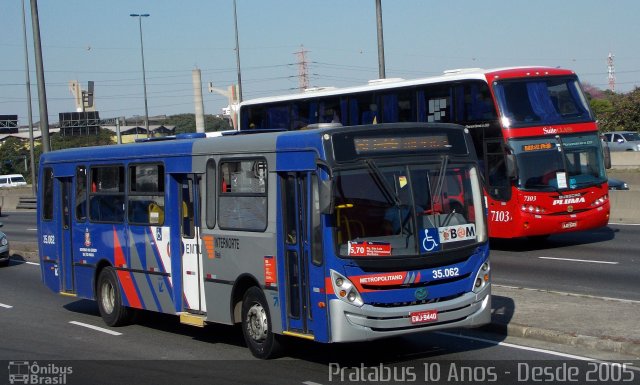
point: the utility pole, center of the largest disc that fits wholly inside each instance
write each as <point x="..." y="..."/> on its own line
<point x="144" y="76"/>
<point x="34" y="178"/>
<point x="42" y="92"/>
<point x="235" y="21"/>
<point x="381" y="70"/>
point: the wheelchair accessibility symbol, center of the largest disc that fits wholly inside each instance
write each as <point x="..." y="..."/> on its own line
<point x="429" y="240"/>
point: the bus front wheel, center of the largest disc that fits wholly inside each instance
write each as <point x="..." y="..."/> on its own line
<point x="112" y="310"/>
<point x="256" y="325"/>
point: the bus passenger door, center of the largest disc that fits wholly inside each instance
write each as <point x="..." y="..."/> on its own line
<point x="303" y="271"/>
<point x="192" y="285"/>
<point x="66" y="263"/>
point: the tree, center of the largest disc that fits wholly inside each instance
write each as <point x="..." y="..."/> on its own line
<point x="13" y="154"/>
<point x="624" y="114"/>
<point x="187" y="123"/>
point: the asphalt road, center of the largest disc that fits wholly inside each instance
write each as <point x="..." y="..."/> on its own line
<point x="43" y="327"/>
<point x="20" y="226"/>
<point x="603" y="262"/>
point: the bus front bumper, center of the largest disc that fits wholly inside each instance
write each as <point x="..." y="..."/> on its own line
<point x="350" y="323"/>
<point x="532" y="225"/>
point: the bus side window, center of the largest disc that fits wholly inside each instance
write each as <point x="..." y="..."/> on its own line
<point x="47" y="194"/>
<point x="498" y="184"/>
<point x="106" y="203"/>
<point x="81" y="193"/>
<point x="243" y="206"/>
<point x="146" y="194"/>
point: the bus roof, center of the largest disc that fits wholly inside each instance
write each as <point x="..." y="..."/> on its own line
<point x="124" y="151"/>
<point x="449" y="75"/>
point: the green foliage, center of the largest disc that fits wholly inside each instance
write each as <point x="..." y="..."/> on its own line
<point x="618" y="112"/>
<point x="12" y="157"/>
<point x="187" y="123"/>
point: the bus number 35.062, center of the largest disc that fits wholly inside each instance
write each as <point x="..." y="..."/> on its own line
<point x="500" y="216"/>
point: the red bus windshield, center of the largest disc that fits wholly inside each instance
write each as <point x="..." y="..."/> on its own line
<point x="541" y="102"/>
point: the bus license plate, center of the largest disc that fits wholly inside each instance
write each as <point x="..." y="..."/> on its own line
<point x="419" y="317"/>
<point x="569" y="225"/>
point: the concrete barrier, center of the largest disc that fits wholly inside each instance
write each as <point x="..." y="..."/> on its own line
<point x="625" y="159"/>
<point x="624" y="206"/>
<point x="10" y="196"/>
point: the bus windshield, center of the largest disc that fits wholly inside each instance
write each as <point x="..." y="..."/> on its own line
<point x="379" y="209"/>
<point x="566" y="163"/>
<point x="541" y="101"/>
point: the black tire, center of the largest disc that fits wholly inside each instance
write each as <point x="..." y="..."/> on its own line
<point x="109" y="298"/>
<point x="4" y="263"/>
<point x="257" y="328"/>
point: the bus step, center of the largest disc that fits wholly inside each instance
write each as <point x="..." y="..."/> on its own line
<point x="299" y="335"/>
<point x="192" y="319"/>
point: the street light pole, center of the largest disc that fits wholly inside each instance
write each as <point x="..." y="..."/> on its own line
<point x="42" y="92"/>
<point x="381" y="66"/>
<point x="144" y="76"/>
<point x="29" y="110"/>
<point x="235" y="23"/>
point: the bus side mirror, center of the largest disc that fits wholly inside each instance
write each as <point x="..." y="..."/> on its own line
<point x="512" y="167"/>
<point x="325" y="196"/>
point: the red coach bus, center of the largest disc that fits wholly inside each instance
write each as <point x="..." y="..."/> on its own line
<point x="543" y="162"/>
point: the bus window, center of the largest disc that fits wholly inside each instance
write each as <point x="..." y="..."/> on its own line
<point x="278" y="117"/>
<point x="244" y="205"/>
<point x="435" y="104"/>
<point x="146" y="194"/>
<point x="106" y="203"/>
<point x="81" y="193"/>
<point x="363" y="109"/>
<point x="47" y="195"/>
<point x="211" y="193"/>
<point x="329" y="110"/>
<point x="498" y="185"/>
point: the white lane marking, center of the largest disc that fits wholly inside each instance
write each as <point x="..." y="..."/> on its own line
<point x="32" y="263"/>
<point x="580" y="260"/>
<point x="32" y="229"/>
<point x="311" y="383"/>
<point x="625" y="224"/>
<point x="96" y="328"/>
<point x="568" y="293"/>
<point x="537" y="350"/>
<point x="5" y="306"/>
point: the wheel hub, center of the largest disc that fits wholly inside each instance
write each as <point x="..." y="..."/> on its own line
<point x="108" y="297"/>
<point x="257" y="324"/>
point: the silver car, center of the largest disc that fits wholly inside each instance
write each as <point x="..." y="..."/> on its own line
<point x="4" y="249"/>
<point x="623" y="140"/>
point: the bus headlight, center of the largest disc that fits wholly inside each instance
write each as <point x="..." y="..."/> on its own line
<point x="482" y="278"/>
<point x="600" y="201"/>
<point x="345" y="289"/>
<point x="532" y="209"/>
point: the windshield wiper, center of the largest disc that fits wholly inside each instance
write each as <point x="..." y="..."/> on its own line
<point x="388" y="192"/>
<point x="436" y="194"/>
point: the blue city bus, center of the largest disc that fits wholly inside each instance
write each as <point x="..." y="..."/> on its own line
<point x="327" y="234"/>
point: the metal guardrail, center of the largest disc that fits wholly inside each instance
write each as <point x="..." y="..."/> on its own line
<point x="27" y="203"/>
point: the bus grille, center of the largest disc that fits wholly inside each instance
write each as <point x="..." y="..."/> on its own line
<point x="413" y="303"/>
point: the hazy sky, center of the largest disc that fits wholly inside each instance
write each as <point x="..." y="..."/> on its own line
<point x="98" y="40"/>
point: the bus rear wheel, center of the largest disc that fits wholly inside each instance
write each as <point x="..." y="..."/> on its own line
<point x="257" y="328"/>
<point x="109" y="296"/>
